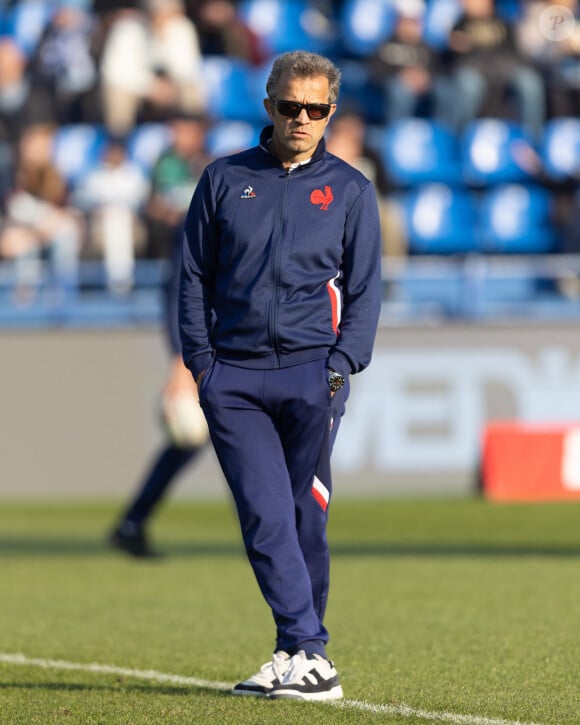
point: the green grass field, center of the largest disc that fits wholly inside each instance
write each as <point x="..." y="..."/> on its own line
<point x="451" y="611"/>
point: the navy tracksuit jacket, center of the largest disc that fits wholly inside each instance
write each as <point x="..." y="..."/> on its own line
<point x="281" y="280"/>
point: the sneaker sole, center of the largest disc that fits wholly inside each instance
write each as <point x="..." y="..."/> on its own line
<point x="334" y="694"/>
<point x="251" y="693"/>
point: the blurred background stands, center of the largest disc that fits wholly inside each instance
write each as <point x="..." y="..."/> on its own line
<point x="462" y="112"/>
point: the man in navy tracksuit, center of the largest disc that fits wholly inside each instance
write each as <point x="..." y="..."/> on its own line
<point x="279" y="304"/>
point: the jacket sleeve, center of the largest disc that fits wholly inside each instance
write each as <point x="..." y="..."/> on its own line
<point x="199" y="261"/>
<point x="362" y="286"/>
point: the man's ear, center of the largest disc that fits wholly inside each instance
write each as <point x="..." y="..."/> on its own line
<point x="268" y="106"/>
<point x="332" y="112"/>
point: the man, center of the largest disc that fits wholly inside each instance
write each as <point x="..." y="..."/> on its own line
<point x="174" y="177"/>
<point x="279" y="303"/>
<point x="184" y="424"/>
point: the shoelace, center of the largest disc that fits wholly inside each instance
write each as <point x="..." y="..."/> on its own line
<point x="299" y="667"/>
<point x="279" y="664"/>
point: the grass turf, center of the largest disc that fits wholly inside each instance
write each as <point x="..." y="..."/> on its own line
<point x="456" y="606"/>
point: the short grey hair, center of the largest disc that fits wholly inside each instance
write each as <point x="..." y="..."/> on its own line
<point x="301" y="64"/>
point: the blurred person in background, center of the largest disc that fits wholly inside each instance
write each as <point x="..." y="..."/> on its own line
<point x="40" y="222"/>
<point x="150" y="65"/>
<point x="173" y="180"/>
<point x="409" y="71"/>
<point x="222" y="32"/>
<point x="112" y="195"/>
<point x="124" y="67"/>
<point x="20" y="104"/>
<point x="14" y="109"/>
<point x="185" y="430"/>
<point x="488" y="69"/>
<point x="557" y="61"/>
<point x="63" y="66"/>
<point x="346" y="138"/>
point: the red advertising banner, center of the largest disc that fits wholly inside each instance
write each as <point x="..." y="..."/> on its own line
<point x="531" y="462"/>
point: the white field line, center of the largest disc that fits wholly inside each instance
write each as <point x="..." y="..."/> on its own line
<point x="400" y="710"/>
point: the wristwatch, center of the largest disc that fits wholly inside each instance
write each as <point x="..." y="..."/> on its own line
<point x="335" y="380"/>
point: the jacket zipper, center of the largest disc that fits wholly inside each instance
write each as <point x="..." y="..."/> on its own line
<point x="275" y="271"/>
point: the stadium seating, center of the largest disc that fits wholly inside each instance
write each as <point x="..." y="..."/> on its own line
<point x="77" y="148"/>
<point x="464" y="196"/>
<point x="26" y="20"/>
<point x="489" y="152"/>
<point x="285" y="25"/>
<point x="227" y="137"/>
<point x="515" y="219"/>
<point x="232" y="89"/>
<point x="365" y="24"/>
<point x="146" y="142"/>
<point x="417" y="150"/>
<point x="510" y="10"/>
<point x="440" y="16"/>
<point x="560" y="148"/>
<point x="439" y="220"/>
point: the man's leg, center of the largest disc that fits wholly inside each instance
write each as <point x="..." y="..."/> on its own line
<point x="129" y="534"/>
<point x="159" y="477"/>
<point x="312" y="480"/>
<point x="248" y="411"/>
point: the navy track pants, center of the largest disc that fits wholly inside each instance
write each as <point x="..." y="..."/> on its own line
<point x="273" y="432"/>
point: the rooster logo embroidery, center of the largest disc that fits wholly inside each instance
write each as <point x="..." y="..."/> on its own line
<point x="324" y="198"/>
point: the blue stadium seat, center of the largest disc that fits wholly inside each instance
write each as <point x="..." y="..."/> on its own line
<point x="439" y="219"/>
<point x="489" y="152"/>
<point x="560" y="148"/>
<point x="26" y="20"/>
<point x="146" y="142"/>
<point x="226" y="137"/>
<point x="365" y="24"/>
<point x="285" y="25"/>
<point x="232" y="89"/>
<point x="515" y="219"/>
<point x="417" y="150"/>
<point x="77" y="148"/>
<point x="440" y="17"/>
<point x="510" y="10"/>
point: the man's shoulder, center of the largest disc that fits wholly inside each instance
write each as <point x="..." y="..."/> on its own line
<point x="243" y="156"/>
<point x="346" y="170"/>
<point x="238" y="162"/>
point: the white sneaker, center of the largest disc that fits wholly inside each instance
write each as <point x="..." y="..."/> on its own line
<point x="270" y="674"/>
<point x="308" y="677"/>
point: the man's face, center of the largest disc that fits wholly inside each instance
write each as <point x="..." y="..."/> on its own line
<point x="295" y="139"/>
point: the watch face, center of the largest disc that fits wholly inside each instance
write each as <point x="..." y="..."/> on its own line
<point x="336" y="381"/>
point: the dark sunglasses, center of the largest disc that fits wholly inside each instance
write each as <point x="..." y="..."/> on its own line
<point x="292" y="109"/>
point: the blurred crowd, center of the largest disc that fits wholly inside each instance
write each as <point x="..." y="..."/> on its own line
<point x="115" y="69"/>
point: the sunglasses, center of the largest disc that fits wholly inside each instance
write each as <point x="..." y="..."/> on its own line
<point x="292" y="109"/>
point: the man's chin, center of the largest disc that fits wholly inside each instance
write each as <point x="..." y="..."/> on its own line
<point x="298" y="145"/>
